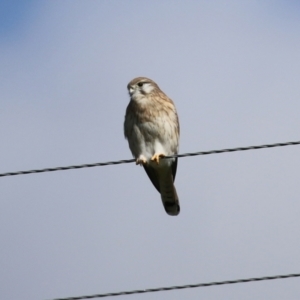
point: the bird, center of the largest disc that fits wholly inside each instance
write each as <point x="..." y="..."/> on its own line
<point x="151" y="127"/>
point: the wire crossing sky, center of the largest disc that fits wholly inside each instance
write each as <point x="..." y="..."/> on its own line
<point x="180" y="287"/>
<point x="132" y="160"/>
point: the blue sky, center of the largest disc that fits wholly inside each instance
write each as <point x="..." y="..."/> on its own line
<point x="233" y="72"/>
<point x="16" y="16"/>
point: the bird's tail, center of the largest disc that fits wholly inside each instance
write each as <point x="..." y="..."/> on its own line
<point x="168" y="194"/>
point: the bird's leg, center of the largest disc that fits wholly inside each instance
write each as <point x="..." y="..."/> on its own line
<point x="141" y="160"/>
<point x="157" y="156"/>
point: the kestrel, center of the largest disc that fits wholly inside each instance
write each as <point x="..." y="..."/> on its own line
<point x="152" y="129"/>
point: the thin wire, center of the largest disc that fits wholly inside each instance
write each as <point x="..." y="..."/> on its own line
<point x="133" y="160"/>
<point x="68" y="168"/>
<point x="181" y="287"/>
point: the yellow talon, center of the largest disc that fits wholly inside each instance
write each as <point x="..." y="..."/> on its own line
<point x="156" y="157"/>
<point x="141" y="161"/>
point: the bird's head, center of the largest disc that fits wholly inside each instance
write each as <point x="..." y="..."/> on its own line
<point x="140" y="87"/>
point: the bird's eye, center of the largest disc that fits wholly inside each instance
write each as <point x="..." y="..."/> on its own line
<point x="140" y="84"/>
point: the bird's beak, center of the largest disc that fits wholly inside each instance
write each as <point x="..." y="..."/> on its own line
<point x="131" y="90"/>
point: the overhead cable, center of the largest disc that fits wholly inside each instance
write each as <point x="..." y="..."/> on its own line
<point x="133" y="160"/>
<point x="181" y="287"/>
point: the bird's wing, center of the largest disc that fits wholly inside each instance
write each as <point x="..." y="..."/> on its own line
<point x="168" y="192"/>
<point x="174" y="168"/>
<point x="151" y="172"/>
<point x="163" y="179"/>
<point x="152" y="176"/>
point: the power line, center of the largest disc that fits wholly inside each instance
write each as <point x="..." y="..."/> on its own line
<point x="68" y="168"/>
<point x="133" y="160"/>
<point x="181" y="287"/>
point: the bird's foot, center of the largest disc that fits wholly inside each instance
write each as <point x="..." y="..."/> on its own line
<point x="141" y="160"/>
<point x="156" y="157"/>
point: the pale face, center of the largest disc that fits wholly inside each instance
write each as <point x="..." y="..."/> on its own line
<point x="140" y="89"/>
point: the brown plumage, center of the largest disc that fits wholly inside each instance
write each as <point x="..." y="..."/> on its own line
<point x="152" y="129"/>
